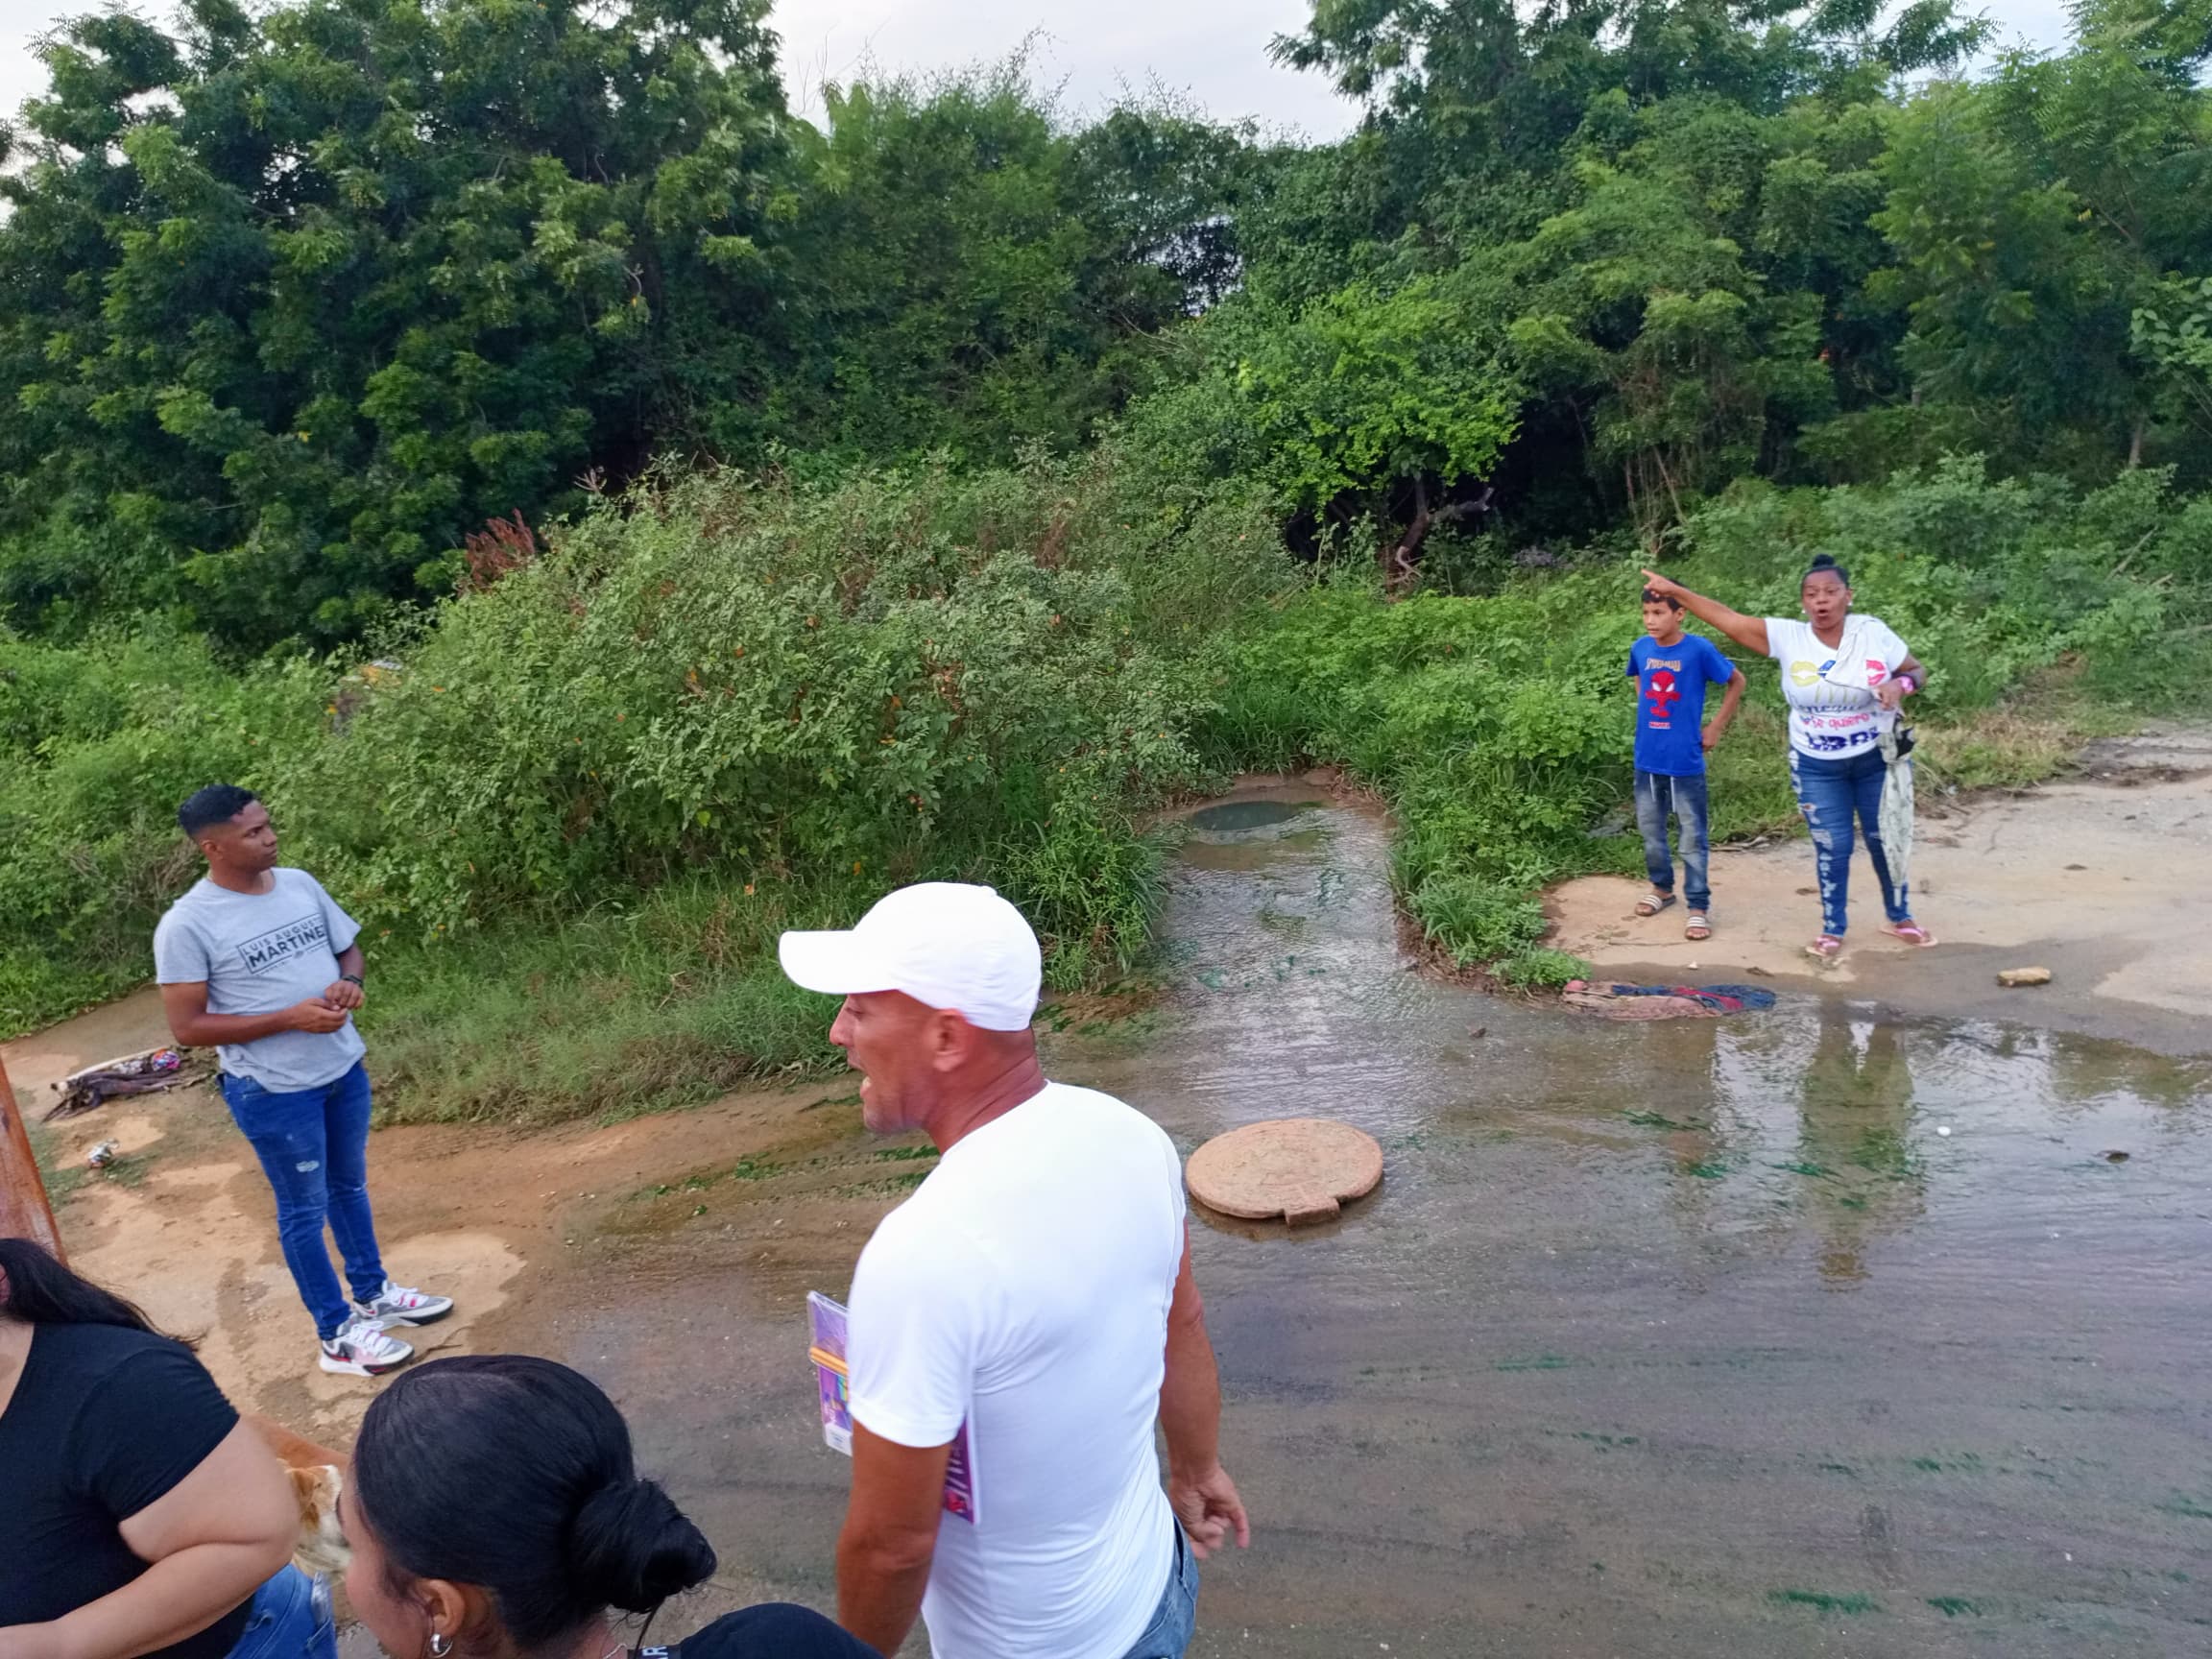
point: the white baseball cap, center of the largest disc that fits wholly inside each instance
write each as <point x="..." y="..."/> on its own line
<point x="945" y="944"/>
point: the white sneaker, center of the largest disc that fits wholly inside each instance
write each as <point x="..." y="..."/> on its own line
<point x="361" y="1349"/>
<point x="397" y="1305"/>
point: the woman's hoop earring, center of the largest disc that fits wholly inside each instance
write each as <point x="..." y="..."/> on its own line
<point x="441" y="1644"/>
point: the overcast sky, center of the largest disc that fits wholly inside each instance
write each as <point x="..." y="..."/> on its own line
<point x="1212" y="51"/>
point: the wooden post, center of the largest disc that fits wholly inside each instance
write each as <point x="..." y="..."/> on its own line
<point x="24" y="1212"/>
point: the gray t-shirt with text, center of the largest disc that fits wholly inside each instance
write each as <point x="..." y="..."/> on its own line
<point x="257" y="952"/>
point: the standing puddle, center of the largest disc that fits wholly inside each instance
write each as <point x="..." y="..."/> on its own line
<point x="1679" y="1338"/>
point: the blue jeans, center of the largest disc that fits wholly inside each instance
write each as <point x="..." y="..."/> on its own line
<point x="290" y="1619"/>
<point x="1658" y="797"/>
<point x="1829" y="793"/>
<point x="1177" y="1619"/>
<point x="313" y="1144"/>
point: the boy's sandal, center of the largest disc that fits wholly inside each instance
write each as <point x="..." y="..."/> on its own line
<point x="1651" y="904"/>
<point x="1911" y="932"/>
<point x="1827" y="947"/>
<point x="1697" y="927"/>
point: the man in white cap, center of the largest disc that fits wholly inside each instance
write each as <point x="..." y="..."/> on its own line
<point x="1032" y="1301"/>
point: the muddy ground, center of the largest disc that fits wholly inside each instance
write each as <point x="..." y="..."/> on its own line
<point x="1838" y="1328"/>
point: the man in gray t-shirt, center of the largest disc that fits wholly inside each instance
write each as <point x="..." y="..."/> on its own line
<point x="260" y="964"/>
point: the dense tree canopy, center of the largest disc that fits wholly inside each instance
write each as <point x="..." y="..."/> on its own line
<point x="290" y="303"/>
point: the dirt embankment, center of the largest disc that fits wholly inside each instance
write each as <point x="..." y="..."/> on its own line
<point x="2101" y="877"/>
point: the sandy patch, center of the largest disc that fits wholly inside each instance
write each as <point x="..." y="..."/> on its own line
<point x="2101" y="879"/>
<point x="191" y="1228"/>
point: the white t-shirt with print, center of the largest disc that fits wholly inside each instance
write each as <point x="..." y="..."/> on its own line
<point x="1024" y="1290"/>
<point x="1833" y="713"/>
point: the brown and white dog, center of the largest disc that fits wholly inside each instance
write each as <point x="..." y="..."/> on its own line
<point x="318" y="1476"/>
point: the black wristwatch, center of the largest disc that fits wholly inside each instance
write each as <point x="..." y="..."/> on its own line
<point x="353" y="979"/>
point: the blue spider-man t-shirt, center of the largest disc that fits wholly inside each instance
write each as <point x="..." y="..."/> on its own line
<point x="1670" y="682"/>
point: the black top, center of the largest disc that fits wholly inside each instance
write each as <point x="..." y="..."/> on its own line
<point x="772" y="1630"/>
<point x="104" y="1422"/>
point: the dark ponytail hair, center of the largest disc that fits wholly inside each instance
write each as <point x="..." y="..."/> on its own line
<point x="1825" y="563"/>
<point x="515" y="1474"/>
<point x="39" y="1290"/>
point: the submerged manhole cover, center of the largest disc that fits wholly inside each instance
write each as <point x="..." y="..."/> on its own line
<point x="1232" y="817"/>
<point x="1300" y="1169"/>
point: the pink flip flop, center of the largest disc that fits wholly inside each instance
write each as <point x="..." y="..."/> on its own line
<point x="1911" y="932"/>
<point x="1827" y="947"/>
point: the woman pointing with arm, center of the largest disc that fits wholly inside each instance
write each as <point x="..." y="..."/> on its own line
<point x="1843" y="676"/>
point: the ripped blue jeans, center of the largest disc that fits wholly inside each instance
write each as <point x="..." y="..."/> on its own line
<point x="1830" y="793"/>
<point x="313" y="1144"/>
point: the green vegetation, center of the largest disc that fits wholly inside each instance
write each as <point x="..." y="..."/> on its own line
<point x="758" y="515"/>
<point x="1826" y="1601"/>
<point x="1493" y="724"/>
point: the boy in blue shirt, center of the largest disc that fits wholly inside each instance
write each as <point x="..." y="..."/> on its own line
<point x="1671" y="670"/>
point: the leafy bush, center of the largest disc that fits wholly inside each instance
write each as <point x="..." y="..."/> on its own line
<point x="98" y="745"/>
<point x="718" y="688"/>
<point x="899" y="677"/>
<point x="1987" y="580"/>
<point x="1547" y="969"/>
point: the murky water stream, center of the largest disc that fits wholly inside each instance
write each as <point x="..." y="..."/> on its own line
<point x="1689" y="1338"/>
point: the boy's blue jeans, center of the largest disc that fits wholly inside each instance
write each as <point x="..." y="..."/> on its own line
<point x="313" y="1144"/>
<point x="1830" y="793"/>
<point x="1658" y="797"/>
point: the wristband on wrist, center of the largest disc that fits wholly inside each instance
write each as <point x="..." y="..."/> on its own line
<point x="1908" y="682"/>
<point x="353" y="979"/>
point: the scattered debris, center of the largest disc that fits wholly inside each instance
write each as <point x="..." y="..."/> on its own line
<point x="101" y="1155"/>
<point x="2113" y="1157"/>
<point x="146" y="1072"/>
<point x="1663" y="1001"/>
<point x="2012" y="978"/>
<point x="1477" y="1030"/>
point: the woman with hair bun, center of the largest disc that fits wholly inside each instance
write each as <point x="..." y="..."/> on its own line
<point x="1843" y="676"/>
<point x="495" y="1511"/>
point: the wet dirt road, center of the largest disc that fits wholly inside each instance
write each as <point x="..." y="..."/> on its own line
<point x="1668" y="1339"/>
<point x="1658" y="1339"/>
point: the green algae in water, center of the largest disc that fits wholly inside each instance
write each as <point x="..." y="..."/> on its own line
<point x="1535" y="1363"/>
<point x="1955" y="1606"/>
<point x="1660" y="1121"/>
<point x="1236" y="817"/>
<point x="1824" y="1601"/>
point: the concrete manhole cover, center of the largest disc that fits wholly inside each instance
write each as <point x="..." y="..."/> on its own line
<point x="1300" y="1169"/>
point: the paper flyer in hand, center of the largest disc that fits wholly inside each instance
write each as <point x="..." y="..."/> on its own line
<point x="827" y="1322"/>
